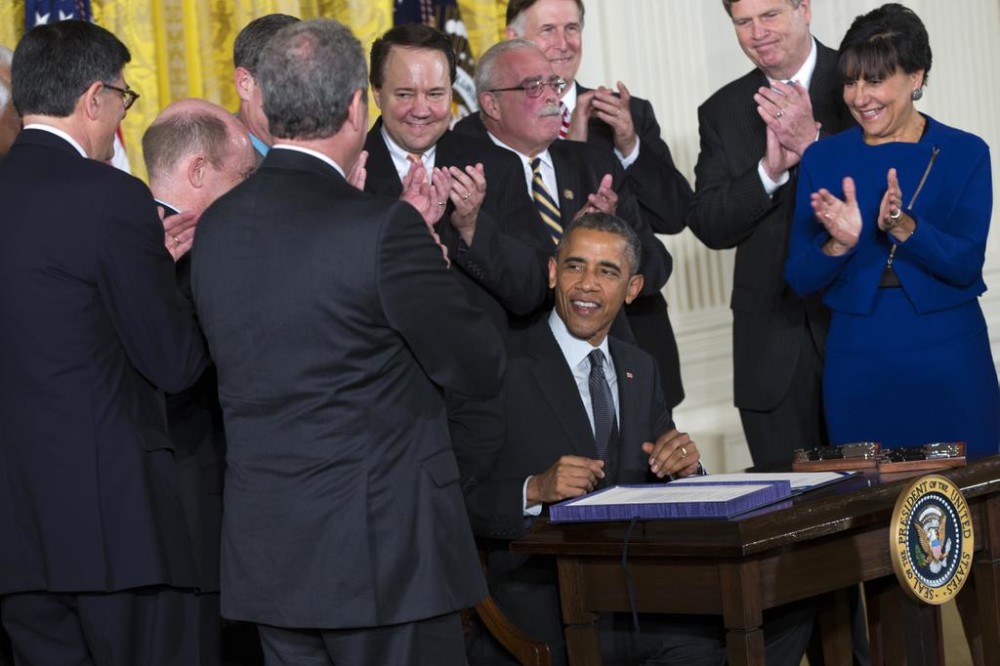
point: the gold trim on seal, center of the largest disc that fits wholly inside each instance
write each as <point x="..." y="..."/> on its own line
<point x="930" y="516"/>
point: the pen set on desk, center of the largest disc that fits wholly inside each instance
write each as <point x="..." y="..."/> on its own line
<point x="864" y="456"/>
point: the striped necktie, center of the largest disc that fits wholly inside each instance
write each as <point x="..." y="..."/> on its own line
<point x="564" y="128"/>
<point x="547" y="207"/>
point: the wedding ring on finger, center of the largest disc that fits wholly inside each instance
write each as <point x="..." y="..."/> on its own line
<point x="177" y="241"/>
<point x="895" y="214"/>
<point x="465" y="197"/>
<point x="684" y="452"/>
<point x="779" y="113"/>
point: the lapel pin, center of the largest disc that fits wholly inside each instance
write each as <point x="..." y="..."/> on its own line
<point x="568" y="195"/>
<point x="628" y="375"/>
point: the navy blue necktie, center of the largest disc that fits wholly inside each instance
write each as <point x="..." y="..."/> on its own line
<point x="605" y="419"/>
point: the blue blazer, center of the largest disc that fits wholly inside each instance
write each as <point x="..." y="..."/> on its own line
<point x="940" y="265"/>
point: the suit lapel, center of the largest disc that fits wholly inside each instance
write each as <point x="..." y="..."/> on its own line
<point x="383" y="179"/>
<point x="568" y="183"/>
<point x="556" y="382"/>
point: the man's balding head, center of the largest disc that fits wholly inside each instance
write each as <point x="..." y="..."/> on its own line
<point x="195" y="152"/>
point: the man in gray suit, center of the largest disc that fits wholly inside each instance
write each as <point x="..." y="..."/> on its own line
<point x="753" y="132"/>
<point x="335" y="324"/>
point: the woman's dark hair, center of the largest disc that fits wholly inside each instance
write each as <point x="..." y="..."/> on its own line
<point x="883" y="40"/>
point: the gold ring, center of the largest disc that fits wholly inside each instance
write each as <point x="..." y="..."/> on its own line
<point x="441" y="203"/>
<point x="177" y="241"/>
<point x="779" y="113"/>
<point x="684" y="452"/>
<point x="466" y="196"/>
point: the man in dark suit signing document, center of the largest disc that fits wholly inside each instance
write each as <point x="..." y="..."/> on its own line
<point x="335" y="324"/>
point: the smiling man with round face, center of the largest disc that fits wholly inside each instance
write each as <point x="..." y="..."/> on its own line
<point x="414" y="95"/>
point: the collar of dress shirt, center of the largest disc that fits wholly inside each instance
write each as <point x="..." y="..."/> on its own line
<point x="805" y="74"/>
<point x="575" y="350"/>
<point x="401" y="158"/>
<point x="548" y="168"/>
<point x="59" y="133"/>
<point x="161" y="202"/>
<point x="569" y="98"/>
<point x="308" y="151"/>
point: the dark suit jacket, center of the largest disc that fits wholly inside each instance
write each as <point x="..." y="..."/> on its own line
<point x="504" y="273"/>
<point x="544" y="419"/>
<point x="334" y="325"/>
<point x="92" y="326"/>
<point x="731" y="209"/>
<point x="579" y="168"/>
<point x="506" y="269"/>
<point x="194" y="419"/>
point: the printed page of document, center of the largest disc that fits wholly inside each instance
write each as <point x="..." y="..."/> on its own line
<point x="800" y="481"/>
<point x="666" y="494"/>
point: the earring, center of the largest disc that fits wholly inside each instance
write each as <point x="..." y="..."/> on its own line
<point x="917" y="93"/>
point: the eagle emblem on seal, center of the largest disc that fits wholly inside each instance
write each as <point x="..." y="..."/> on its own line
<point x="933" y="546"/>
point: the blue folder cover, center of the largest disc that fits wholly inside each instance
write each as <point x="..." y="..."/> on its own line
<point x="660" y="501"/>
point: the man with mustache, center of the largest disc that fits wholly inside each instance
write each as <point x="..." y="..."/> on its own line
<point x="519" y="107"/>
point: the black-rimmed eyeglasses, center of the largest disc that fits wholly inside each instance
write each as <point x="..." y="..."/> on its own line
<point x="534" y="87"/>
<point x="128" y="95"/>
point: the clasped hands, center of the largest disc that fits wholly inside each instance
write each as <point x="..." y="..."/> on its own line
<point x="842" y="218"/>
<point x="672" y="454"/>
<point x="787" y="112"/>
<point x="603" y="104"/>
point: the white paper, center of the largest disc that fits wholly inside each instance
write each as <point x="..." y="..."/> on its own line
<point x="800" y="480"/>
<point x="669" y="493"/>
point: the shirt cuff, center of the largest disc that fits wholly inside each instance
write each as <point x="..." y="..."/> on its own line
<point x="628" y="160"/>
<point x="770" y="186"/>
<point x="525" y="509"/>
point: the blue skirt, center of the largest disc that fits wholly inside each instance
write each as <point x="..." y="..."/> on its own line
<point x="907" y="379"/>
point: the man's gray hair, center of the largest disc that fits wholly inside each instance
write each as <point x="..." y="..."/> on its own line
<point x="486" y="65"/>
<point x="611" y="224"/>
<point x="308" y="74"/>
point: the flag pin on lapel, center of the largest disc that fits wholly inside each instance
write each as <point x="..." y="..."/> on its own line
<point x="628" y="375"/>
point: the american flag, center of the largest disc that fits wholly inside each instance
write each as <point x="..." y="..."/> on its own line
<point x="42" y="12"/>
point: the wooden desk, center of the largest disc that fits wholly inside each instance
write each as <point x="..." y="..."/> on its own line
<point x="826" y="540"/>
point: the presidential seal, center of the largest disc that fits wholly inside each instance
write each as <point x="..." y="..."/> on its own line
<point x="931" y="540"/>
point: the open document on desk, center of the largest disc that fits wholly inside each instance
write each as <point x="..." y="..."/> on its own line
<point x="799" y="481"/>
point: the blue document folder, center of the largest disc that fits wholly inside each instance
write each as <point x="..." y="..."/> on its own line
<point x="660" y="501"/>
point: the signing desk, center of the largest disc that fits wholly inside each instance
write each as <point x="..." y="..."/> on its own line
<point x="822" y="541"/>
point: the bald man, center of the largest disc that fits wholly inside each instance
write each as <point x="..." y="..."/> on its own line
<point x="10" y="122"/>
<point x="195" y="152"/>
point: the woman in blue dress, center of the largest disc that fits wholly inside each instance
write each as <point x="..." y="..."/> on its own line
<point x="890" y="222"/>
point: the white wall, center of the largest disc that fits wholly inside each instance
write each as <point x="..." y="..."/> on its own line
<point x="676" y="53"/>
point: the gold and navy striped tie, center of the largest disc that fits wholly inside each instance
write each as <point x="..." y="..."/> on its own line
<point x="547" y="206"/>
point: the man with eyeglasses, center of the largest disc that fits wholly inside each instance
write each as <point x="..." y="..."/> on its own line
<point x="625" y="127"/>
<point x="96" y="564"/>
<point x="519" y="108"/>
